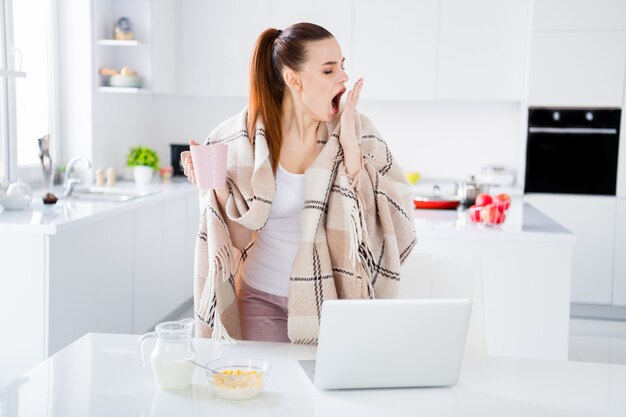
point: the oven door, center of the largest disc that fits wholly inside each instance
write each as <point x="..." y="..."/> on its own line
<point x="571" y="161"/>
<point x="175" y="151"/>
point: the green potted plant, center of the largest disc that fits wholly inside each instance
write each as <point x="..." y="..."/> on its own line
<point x="144" y="162"/>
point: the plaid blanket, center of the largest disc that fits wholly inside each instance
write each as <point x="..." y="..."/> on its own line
<point x="355" y="232"/>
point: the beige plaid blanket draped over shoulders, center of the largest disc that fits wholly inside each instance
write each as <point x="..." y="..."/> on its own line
<point x="355" y="232"/>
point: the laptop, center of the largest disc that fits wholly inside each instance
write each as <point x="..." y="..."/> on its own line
<point x="389" y="343"/>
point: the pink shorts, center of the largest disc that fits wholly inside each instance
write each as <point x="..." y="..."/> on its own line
<point x="263" y="316"/>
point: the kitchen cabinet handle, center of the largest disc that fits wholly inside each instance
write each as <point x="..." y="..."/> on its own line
<point x="573" y="130"/>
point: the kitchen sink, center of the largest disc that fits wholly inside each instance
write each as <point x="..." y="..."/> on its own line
<point x="110" y="194"/>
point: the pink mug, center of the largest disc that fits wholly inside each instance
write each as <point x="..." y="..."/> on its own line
<point x="209" y="164"/>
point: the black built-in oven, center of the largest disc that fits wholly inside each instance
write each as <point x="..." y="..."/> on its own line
<point x="175" y="151"/>
<point x="572" y="151"/>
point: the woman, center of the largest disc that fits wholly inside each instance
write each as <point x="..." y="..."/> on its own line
<point x="315" y="207"/>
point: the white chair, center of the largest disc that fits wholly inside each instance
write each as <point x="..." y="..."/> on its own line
<point x="449" y="276"/>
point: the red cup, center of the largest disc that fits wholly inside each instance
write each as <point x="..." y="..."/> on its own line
<point x="209" y="164"/>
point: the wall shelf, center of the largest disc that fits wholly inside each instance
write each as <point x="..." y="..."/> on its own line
<point x="131" y="90"/>
<point x="115" y="54"/>
<point x="114" y="42"/>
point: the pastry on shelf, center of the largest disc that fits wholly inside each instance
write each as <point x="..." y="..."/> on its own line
<point x="108" y="71"/>
<point x="106" y="74"/>
<point x="128" y="71"/>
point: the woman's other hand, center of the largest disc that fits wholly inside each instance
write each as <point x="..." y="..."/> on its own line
<point x="348" y="137"/>
<point x="187" y="163"/>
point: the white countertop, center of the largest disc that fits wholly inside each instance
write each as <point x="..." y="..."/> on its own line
<point x="523" y="222"/>
<point x="101" y="375"/>
<point x="50" y="219"/>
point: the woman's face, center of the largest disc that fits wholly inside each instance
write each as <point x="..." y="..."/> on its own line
<point x="322" y="79"/>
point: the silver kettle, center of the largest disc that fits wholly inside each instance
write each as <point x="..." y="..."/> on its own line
<point x="467" y="191"/>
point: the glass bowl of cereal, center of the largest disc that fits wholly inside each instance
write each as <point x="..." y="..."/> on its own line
<point x="237" y="378"/>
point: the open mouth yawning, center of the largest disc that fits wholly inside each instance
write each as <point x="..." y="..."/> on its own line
<point x="336" y="101"/>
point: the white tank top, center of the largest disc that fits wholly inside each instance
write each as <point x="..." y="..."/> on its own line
<point x="268" y="265"/>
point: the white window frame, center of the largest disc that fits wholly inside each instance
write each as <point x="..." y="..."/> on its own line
<point x="4" y="76"/>
<point x="8" y="136"/>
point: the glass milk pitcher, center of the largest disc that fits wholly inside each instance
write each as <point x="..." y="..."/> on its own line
<point x="173" y="354"/>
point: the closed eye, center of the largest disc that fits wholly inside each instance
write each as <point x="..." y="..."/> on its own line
<point x="331" y="71"/>
<point x="332" y="64"/>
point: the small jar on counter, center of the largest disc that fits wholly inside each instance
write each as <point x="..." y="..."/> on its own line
<point x="110" y="177"/>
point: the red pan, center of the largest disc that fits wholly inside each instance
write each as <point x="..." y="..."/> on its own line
<point x="436" y="201"/>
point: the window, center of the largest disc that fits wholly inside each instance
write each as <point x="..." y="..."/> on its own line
<point x="26" y="83"/>
<point x="3" y="101"/>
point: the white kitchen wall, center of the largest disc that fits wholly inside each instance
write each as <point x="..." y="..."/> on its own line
<point x="120" y="121"/>
<point x="439" y="137"/>
<point x="126" y="120"/>
<point x="74" y="78"/>
<point x="176" y="119"/>
<point x="448" y="140"/>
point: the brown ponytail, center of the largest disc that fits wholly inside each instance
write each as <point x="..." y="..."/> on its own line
<point x="266" y="94"/>
<point x="275" y="50"/>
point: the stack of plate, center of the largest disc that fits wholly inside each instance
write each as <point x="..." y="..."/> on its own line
<point x="120" y="80"/>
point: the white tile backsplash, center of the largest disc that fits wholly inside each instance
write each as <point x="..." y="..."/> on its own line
<point x="450" y="139"/>
<point x="439" y="139"/>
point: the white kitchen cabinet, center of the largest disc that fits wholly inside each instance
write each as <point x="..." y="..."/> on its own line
<point x="203" y="47"/>
<point x="577" y="69"/>
<point x="193" y="217"/>
<point x="60" y="280"/>
<point x="164" y="28"/>
<point x="216" y="41"/>
<point x="619" y="270"/>
<point x="407" y="50"/>
<point x="22" y="303"/>
<point x="442" y="49"/>
<point x="55" y="288"/>
<point x="585" y="15"/>
<point x="339" y="22"/>
<point x="148" y="268"/>
<point x="395" y="48"/>
<point x="90" y="280"/>
<point x="592" y="220"/>
<point x="163" y="254"/>
<point x="483" y="48"/>
<point x="178" y="245"/>
<point x="526" y="269"/>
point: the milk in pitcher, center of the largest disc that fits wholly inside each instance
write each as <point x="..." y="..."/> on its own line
<point x="173" y="354"/>
<point x="173" y="370"/>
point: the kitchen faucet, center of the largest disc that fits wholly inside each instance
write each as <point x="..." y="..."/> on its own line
<point x="69" y="184"/>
